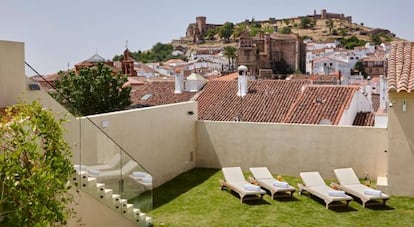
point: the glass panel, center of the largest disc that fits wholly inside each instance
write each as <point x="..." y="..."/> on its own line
<point x="103" y="169"/>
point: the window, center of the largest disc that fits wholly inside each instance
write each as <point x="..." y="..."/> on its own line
<point x="146" y="96"/>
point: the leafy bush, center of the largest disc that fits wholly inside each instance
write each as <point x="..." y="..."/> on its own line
<point x="34" y="168"/>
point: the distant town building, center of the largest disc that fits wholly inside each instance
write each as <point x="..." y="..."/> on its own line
<point x="282" y="53"/>
<point x="94" y="61"/>
<point x="128" y="64"/>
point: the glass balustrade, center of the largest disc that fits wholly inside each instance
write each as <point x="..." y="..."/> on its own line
<point x="103" y="168"/>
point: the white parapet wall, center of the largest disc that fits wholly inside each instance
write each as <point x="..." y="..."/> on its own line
<point x="289" y="149"/>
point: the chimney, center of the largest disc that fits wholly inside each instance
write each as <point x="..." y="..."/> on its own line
<point x="242" y="81"/>
<point x="368" y="91"/>
<point x="383" y="93"/>
<point x="179" y="82"/>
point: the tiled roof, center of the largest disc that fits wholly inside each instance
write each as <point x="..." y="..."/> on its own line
<point x="157" y="93"/>
<point x="401" y="67"/>
<point x="231" y="76"/>
<point x="364" y="119"/>
<point x="96" y="58"/>
<point x="317" y="103"/>
<point x="46" y="82"/>
<point x="266" y="101"/>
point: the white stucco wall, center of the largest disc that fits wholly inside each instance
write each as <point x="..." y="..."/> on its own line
<point x="289" y="149"/>
<point x="162" y="139"/>
<point x="359" y="103"/>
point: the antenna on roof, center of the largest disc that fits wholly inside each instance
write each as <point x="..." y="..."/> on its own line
<point x="68" y="66"/>
<point x="126" y="44"/>
<point x="96" y="50"/>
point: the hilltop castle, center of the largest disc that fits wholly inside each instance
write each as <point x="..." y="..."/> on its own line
<point x="325" y="15"/>
<point x="197" y="30"/>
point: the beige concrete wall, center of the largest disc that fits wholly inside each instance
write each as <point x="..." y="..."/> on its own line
<point x="401" y="144"/>
<point x="289" y="149"/>
<point x="71" y="126"/>
<point x="162" y="138"/>
<point x="12" y="75"/>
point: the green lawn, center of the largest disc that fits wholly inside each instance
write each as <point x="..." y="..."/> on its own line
<point x="194" y="198"/>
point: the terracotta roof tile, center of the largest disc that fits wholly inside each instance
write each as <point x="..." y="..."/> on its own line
<point x="364" y="119"/>
<point x="231" y="76"/>
<point x="157" y="93"/>
<point x="266" y="101"/>
<point x="401" y="67"/>
<point x="317" y="103"/>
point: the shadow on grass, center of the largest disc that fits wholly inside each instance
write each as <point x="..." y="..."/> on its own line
<point x="248" y="199"/>
<point x="373" y="204"/>
<point x="337" y="206"/>
<point x="180" y="184"/>
<point x="287" y="198"/>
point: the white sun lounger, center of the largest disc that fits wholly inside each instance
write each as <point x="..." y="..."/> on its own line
<point x="315" y="185"/>
<point x="350" y="183"/>
<point x="125" y="170"/>
<point x="110" y="164"/>
<point x="265" y="179"/>
<point x="235" y="181"/>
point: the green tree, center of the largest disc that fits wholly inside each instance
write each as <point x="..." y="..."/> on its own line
<point x="359" y="67"/>
<point x="226" y="31"/>
<point x="351" y="42"/>
<point x="285" y="30"/>
<point x="330" y="24"/>
<point x="305" y="22"/>
<point x="34" y="168"/>
<point x="238" y="30"/>
<point x="211" y="32"/>
<point x="230" y="53"/>
<point x="376" y="38"/>
<point x="94" y="90"/>
<point x="159" y="52"/>
<point x="268" y="29"/>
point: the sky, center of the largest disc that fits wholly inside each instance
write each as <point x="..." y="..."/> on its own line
<point x="58" y="34"/>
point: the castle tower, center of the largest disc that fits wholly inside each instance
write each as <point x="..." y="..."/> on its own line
<point x="323" y="14"/>
<point x="201" y="24"/>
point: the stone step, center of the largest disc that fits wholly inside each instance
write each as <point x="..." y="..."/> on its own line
<point x="107" y="196"/>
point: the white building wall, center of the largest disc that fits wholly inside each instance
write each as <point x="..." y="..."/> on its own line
<point x="359" y="103"/>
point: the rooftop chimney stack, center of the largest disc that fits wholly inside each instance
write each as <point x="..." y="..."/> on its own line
<point x="383" y="93"/>
<point x="179" y="82"/>
<point x="242" y="81"/>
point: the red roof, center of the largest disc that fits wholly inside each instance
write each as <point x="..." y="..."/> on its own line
<point x="231" y="76"/>
<point x="157" y="93"/>
<point x="401" y="67"/>
<point x="294" y="101"/>
<point x="317" y="103"/>
<point x="266" y="101"/>
<point x="364" y="119"/>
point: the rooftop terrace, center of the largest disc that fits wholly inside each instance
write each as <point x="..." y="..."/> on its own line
<point x="194" y="198"/>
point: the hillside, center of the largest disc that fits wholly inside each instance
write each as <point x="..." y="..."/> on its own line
<point x="317" y="29"/>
